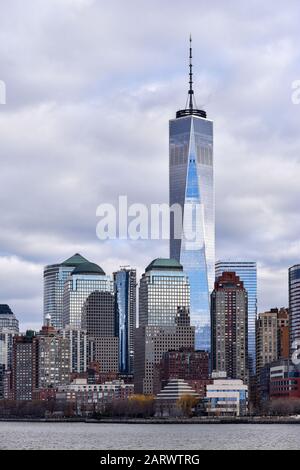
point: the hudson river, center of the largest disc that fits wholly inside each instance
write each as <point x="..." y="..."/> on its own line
<point x="148" y="436"/>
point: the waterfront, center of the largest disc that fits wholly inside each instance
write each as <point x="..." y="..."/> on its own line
<point x="14" y="435"/>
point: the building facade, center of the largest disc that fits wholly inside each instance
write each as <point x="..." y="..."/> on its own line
<point x="294" y="305"/>
<point x="125" y="295"/>
<point x="55" y="276"/>
<point x="77" y="341"/>
<point x="229" y="315"/>
<point x="272" y="337"/>
<point x="164" y="320"/>
<point x="247" y="272"/>
<point x="85" y="279"/>
<point x="227" y="397"/>
<point x="24" y="369"/>
<point x="9" y="327"/>
<point x="191" y="188"/>
<point x="52" y="357"/>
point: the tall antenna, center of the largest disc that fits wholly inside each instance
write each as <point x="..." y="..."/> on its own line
<point x="191" y="91"/>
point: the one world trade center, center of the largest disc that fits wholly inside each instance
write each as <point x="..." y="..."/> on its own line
<point x="191" y="186"/>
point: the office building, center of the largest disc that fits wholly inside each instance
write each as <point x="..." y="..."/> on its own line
<point x="191" y="188"/>
<point x="164" y="319"/>
<point x="284" y="380"/>
<point x="294" y="306"/>
<point x="125" y="295"/>
<point x="229" y="302"/>
<point x="9" y="327"/>
<point x="98" y="319"/>
<point x="226" y="397"/>
<point x="247" y="272"/>
<point x="55" y="276"/>
<point x="83" y="280"/>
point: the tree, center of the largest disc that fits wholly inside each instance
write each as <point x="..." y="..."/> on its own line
<point x="186" y="404"/>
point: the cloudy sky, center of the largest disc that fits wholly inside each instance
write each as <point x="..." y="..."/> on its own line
<point x="91" y="86"/>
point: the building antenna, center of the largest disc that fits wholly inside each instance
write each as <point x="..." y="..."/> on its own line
<point x="191" y="91"/>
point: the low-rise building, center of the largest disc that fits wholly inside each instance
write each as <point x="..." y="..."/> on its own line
<point x="227" y="397"/>
<point x="93" y="396"/>
<point x="166" y="402"/>
<point x="284" y="380"/>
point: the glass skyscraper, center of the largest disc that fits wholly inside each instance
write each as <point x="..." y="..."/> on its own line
<point x="294" y="304"/>
<point x="125" y="292"/>
<point x="191" y="187"/>
<point x="247" y="272"/>
<point x="85" y="279"/>
<point x="55" y="276"/>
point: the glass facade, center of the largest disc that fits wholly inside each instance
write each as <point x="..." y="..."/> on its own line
<point x="125" y="292"/>
<point x="164" y="296"/>
<point x="294" y="303"/>
<point x="77" y="289"/>
<point x="247" y="272"/>
<point x="191" y="184"/>
<point x="55" y="276"/>
<point x="9" y="327"/>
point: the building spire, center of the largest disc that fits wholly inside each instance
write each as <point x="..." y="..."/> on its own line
<point x="190" y="105"/>
<point x="191" y="91"/>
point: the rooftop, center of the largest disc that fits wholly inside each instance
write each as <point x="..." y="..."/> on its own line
<point x="74" y="260"/>
<point x="88" y="268"/>
<point x="164" y="264"/>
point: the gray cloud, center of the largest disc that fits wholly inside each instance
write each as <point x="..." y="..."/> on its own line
<point x="90" y="88"/>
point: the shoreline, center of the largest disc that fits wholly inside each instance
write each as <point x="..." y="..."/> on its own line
<point x="162" y="421"/>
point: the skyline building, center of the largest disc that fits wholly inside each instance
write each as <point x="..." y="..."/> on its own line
<point x="229" y="304"/>
<point x="9" y="327"/>
<point x="164" y="320"/>
<point x="55" y="276"/>
<point x="294" y="304"/>
<point x="85" y="279"/>
<point x="98" y="319"/>
<point x="78" y="348"/>
<point x="191" y="187"/>
<point x="125" y="295"/>
<point x="247" y="272"/>
<point x="52" y="357"/>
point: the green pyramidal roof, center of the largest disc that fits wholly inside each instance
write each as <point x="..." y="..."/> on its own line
<point x="88" y="268"/>
<point x="75" y="260"/>
<point x="165" y="264"/>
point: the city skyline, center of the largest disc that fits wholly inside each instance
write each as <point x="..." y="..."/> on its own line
<point x="256" y="151"/>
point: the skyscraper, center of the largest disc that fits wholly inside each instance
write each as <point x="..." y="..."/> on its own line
<point x="229" y="327"/>
<point x="55" y="276"/>
<point x="191" y="187"/>
<point x="83" y="280"/>
<point x="164" y="320"/>
<point x="98" y="319"/>
<point x="9" y="327"/>
<point x="294" y="305"/>
<point x="125" y="293"/>
<point x="247" y="272"/>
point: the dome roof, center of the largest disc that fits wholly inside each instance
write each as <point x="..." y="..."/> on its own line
<point x="165" y="264"/>
<point x="88" y="268"/>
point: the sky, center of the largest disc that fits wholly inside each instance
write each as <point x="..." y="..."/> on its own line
<point x="90" y="88"/>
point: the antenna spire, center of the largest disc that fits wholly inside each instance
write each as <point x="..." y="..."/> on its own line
<point x="191" y="91"/>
